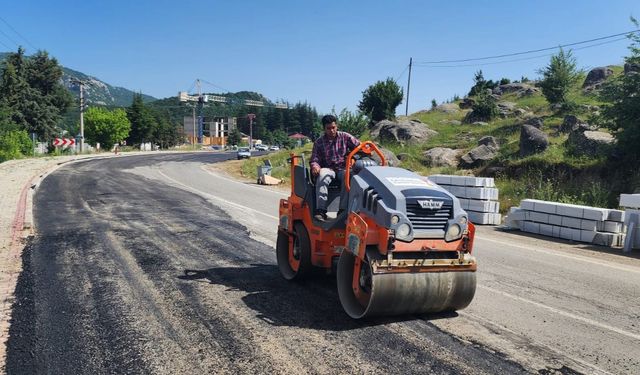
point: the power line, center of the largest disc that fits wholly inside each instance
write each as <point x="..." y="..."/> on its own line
<point x="516" y="60"/>
<point x="8" y="37"/>
<point x="214" y="85"/>
<point x="528" y="52"/>
<point x="401" y="74"/>
<point x="9" y="48"/>
<point x="18" y="34"/>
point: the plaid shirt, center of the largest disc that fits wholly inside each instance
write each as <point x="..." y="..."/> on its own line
<point x="329" y="153"/>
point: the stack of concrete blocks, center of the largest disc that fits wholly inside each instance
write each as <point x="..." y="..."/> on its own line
<point x="478" y="196"/>
<point x="631" y="204"/>
<point x="594" y="225"/>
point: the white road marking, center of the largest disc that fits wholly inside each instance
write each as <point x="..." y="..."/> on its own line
<point x="603" y="263"/>
<point x="557" y="351"/>
<point x="564" y="313"/>
<point x="213" y="197"/>
<point x="243" y="184"/>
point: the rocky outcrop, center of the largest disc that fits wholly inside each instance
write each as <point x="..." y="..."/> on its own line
<point x="487" y="149"/>
<point x="466" y="103"/>
<point x="478" y="156"/>
<point x="532" y="140"/>
<point x="536" y="122"/>
<point x="572" y="123"/>
<point x="590" y="143"/>
<point x="450" y="108"/>
<point x="631" y="68"/>
<point x="441" y="157"/>
<point x="521" y="89"/>
<point x="506" y="109"/>
<point x="596" y="76"/>
<point x="405" y="132"/>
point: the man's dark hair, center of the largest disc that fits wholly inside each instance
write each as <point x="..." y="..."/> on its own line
<point x="328" y="119"/>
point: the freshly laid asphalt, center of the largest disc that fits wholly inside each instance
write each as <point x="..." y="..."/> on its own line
<point x="151" y="265"/>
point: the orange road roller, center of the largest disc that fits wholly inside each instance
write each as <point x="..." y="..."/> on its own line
<point x="398" y="244"/>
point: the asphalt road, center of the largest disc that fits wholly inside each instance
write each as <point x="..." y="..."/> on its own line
<point x="152" y="264"/>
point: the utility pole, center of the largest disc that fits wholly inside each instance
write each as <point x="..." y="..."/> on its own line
<point x="194" y="125"/>
<point x="406" y="110"/>
<point x="81" y="85"/>
<point x="251" y="116"/>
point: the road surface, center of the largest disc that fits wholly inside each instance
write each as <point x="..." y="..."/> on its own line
<point x="156" y="264"/>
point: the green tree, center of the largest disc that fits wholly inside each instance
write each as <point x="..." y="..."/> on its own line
<point x="483" y="109"/>
<point x="143" y="123"/>
<point x="106" y="127"/>
<point x="622" y="113"/>
<point x="354" y="123"/>
<point x="166" y="134"/>
<point x="558" y="76"/>
<point x="31" y="87"/>
<point x="234" y="137"/>
<point x="381" y="99"/>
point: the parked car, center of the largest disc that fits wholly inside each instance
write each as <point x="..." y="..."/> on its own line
<point x="262" y="147"/>
<point x="244" y="153"/>
<point x="274" y="148"/>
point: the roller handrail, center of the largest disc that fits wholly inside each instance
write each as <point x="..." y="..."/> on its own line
<point x="366" y="147"/>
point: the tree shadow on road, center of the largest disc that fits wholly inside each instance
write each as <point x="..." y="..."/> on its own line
<point x="312" y="303"/>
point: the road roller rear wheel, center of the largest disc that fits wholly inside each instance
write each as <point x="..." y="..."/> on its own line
<point x="294" y="261"/>
<point x="363" y="293"/>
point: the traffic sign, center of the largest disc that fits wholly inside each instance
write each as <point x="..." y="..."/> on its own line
<point x="64" y="142"/>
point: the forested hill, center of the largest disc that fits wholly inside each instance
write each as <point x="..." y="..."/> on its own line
<point x="97" y="92"/>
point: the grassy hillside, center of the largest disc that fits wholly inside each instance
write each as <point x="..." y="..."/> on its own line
<point x="555" y="174"/>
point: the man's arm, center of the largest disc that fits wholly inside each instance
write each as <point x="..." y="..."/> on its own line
<point x="315" y="159"/>
<point x="352" y="142"/>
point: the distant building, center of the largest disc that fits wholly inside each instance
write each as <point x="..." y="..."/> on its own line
<point x="213" y="130"/>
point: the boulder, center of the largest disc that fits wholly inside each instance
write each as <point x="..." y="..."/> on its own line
<point x="448" y="108"/>
<point x="405" y="132"/>
<point x="505" y="109"/>
<point x="532" y="140"/>
<point x="466" y="103"/>
<point x="441" y="157"/>
<point x="403" y="156"/>
<point x="451" y="122"/>
<point x="389" y="156"/>
<point x="536" y="122"/>
<point x="596" y="76"/>
<point x="478" y="156"/>
<point x="631" y="68"/>
<point x="488" y="140"/>
<point x="480" y="123"/>
<point x="572" y="123"/>
<point x="590" y="142"/>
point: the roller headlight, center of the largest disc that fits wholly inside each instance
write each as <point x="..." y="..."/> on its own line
<point x="462" y="220"/>
<point x="403" y="230"/>
<point x="395" y="219"/>
<point x="453" y="232"/>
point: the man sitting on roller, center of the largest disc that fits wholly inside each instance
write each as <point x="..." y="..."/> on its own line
<point x="328" y="161"/>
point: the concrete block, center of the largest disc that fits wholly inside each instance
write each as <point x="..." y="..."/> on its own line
<point x="514" y="218"/>
<point x="555" y="220"/>
<point x="571" y="222"/>
<point x="591" y="225"/>
<point x="458" y="180"/>
<point x="556" y="231"/>
<point x="479" y="181"/>
<point x="569" y="210"/>
<point x="595" y="213"/>
<point x="547" y="207"/>
<point x="608" y="239"/>
<point x="570" y="233"/>
<point x="629" y="215"/>
<point x="615" y="215"/>
<point x="538" y="217"/>
<point x="546" y="230"/>
<point x="531" y="227"/>
<point x="528" y="204"/>
<point x="630" y="200"/>
<point x="482" y="205"/>
<point x="440" y="179"/>
<point x="587" y="236"/>
<point x="480" y="193"/>
<point x="610" y="226"/>
<point x="484" y="218"/>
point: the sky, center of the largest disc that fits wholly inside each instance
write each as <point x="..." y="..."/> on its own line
<point x="323" y="52"/>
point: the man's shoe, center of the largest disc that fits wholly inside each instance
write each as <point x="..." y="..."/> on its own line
<point x="320" y="215"/>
